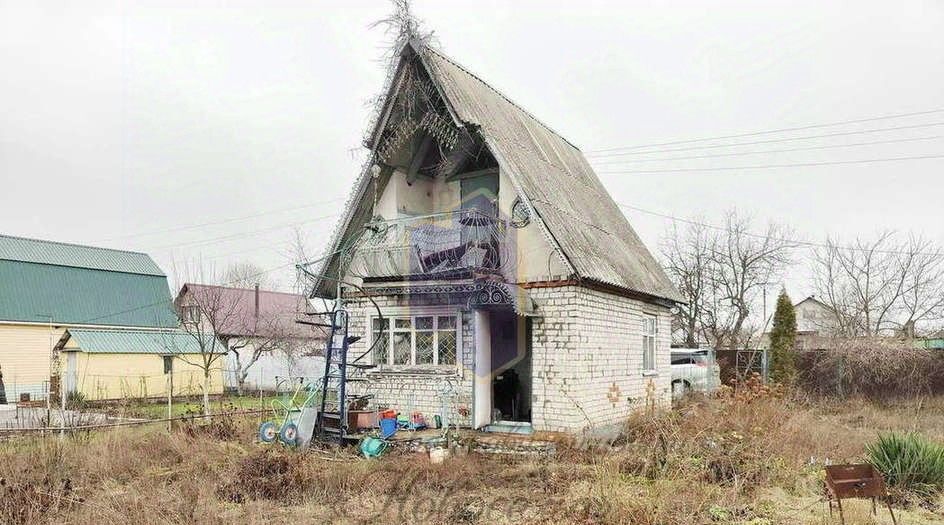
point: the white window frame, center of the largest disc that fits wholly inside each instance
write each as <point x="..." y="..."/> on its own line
<point x="650" y="337"/>
<point x="412" y="314"/>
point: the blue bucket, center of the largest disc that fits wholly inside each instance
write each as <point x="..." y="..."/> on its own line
<point x="388" y="427"/>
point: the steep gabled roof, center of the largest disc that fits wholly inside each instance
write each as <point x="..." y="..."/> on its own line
<point x="578" y="215"/>
<point x="70" y="284"/>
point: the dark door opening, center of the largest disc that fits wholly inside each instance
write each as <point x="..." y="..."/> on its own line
<point x="511" y="360"/>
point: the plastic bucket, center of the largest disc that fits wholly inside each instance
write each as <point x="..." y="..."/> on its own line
<point x="388" y="427"/>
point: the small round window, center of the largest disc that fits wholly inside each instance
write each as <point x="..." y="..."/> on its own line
<point x="520" y="214"/>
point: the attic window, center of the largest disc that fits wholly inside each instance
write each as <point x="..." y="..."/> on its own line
<point x="191" y="314"/>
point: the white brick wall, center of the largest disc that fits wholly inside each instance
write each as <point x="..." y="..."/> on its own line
<point x="586" y="358"/>
<point x="416" y="392"/>
<point x="587" y="355"/>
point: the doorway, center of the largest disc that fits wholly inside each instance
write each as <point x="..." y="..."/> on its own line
<point x="511" y="362"/>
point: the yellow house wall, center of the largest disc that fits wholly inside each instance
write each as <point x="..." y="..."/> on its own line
<point x="119" y="376"/>
<point x="24" y="358"/>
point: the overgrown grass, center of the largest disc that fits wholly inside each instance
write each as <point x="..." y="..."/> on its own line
<point x="752" y="459"/>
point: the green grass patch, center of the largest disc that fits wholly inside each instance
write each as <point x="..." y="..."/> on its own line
<point x="909" y="461"/>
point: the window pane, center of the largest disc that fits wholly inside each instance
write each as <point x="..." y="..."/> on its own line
<point x="381" y="347"/>
<point x="403" y="323"/>
<point x="447" y="321"/>
<point x="424" y="323"/>
<point x="379" y="323"/>
<point x="424" y="347"/>
<point x="401" y="347"/>
<point x="447" y="347"/>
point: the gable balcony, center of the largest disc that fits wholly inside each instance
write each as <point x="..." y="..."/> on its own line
<point x="462" y="244"/>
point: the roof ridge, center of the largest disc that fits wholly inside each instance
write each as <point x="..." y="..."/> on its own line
<point x="508" y="99"/>
<point x="126" y="329"/>
<point x="77" y="245"/>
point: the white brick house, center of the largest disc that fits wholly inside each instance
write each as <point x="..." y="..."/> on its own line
<point x="480" y="252"/>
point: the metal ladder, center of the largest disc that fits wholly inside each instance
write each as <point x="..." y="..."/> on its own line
<point x="332" y="418"/>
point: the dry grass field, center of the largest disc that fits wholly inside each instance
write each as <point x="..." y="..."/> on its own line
<point x="742" y="459"/>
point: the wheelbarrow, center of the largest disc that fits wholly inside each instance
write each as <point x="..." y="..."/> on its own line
<point x="286" y="411"/>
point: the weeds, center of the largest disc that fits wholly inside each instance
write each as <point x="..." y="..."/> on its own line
<point x="754" y="457"/>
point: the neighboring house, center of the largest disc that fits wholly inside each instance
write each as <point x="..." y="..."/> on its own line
<point x="121" y="364"/>
<point x="480" y="254"/>
<point x="816" y="325"/>
<point x="48" y="287"/>
<point x="259" y="329"/>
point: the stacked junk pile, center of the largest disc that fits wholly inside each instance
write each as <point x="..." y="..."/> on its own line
<point x="334" y="407"/>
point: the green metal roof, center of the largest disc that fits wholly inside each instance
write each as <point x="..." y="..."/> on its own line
<point x="157" y="342"/>
<point x="76" y="256"/>
<point x="34" y="292"/>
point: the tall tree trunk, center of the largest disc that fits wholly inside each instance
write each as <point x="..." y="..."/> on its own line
<point x="206" y="392"/>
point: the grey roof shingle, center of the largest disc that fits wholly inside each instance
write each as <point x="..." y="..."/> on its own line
<point x="579" y="213"/>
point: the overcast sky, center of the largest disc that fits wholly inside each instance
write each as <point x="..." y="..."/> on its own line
<point x="133" y="125"/>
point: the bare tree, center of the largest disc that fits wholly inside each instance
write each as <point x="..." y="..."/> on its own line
<point x="268" y="333"/>
<point x="204" y="312"/>
<point x="745" y="263"/>
<point x="246" y="275"/>
<point x="881" y="286"/>
<point x="923" y="295"/>
<point x="721" y="271"/>
<point x="687" y="257"/>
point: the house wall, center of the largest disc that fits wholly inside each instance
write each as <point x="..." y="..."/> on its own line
<point x="267" y="372"/>
<point x="812" y="316"/>
<point x="119" y="376"/>
<point x="534" y="257"/>
<point x="587" y="358"/>
<point x="25" y="358"/>
<point x="417" y="389"/>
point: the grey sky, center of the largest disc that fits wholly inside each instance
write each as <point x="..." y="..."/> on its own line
<point x="122" y="119"/>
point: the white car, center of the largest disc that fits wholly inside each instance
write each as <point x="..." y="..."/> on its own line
<point x="694" y="370"/>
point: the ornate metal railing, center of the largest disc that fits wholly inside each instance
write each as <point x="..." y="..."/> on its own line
<point x="442" y="245"/>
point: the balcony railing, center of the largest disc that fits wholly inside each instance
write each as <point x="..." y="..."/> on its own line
<point x="439" y="246"/>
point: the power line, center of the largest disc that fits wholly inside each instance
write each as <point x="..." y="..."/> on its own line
<point x="223" y="221"/>
<point x="158" y="303"/>
<point x="772" y="131"/>
<point x="793" y="165"/>
<point x="741" y="153"/>
<point x="808" y="244"/>
<point x="207" y="242"/>
<point x="772" y="141"/>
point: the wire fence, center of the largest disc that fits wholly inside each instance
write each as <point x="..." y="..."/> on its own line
<point x="103" y="399"/>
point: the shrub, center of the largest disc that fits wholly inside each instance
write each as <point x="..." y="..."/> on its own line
<point x="874" y="368"/>
<point x="909" y="461"/>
